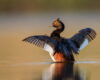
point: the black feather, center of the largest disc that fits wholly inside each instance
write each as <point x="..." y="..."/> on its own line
<point x="83" y="34"/>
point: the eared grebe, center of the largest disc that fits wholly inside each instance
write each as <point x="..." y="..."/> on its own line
<point x="62" y="49"/>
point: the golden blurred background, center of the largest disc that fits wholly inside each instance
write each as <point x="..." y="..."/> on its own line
<point x="23" y="18"/>
<point x="48" y="5"/>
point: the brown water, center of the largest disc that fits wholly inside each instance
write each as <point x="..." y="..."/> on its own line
<point x="23" y="61"/>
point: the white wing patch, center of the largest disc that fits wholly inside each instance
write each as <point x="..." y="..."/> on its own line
<point x="84" y="44"/>
<point x="50" y="50"/>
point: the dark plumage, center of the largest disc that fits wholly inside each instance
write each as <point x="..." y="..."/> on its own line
<point x="62" y="49"/>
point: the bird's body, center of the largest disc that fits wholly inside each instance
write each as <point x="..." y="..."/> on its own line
<point x="62" y="49"/>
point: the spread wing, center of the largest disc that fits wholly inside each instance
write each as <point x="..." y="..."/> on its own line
<point x="82" y="38"/>
<point x="42" y="41"/>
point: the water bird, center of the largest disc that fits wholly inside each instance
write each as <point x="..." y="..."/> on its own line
<point x="62" y="49"/>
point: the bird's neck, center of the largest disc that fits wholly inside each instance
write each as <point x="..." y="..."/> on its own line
<point x="56" y="33"/>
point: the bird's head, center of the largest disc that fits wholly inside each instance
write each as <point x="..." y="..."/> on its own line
<point x="58" y="23"/>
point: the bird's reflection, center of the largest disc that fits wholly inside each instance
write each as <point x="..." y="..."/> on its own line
<point x="62" y="71"/>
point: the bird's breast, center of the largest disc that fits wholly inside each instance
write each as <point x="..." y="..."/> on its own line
<point x="60" y="57"/>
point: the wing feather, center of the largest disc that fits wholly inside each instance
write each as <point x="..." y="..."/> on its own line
<point x="41" y="41"/>
<point x="82" y="38"/>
